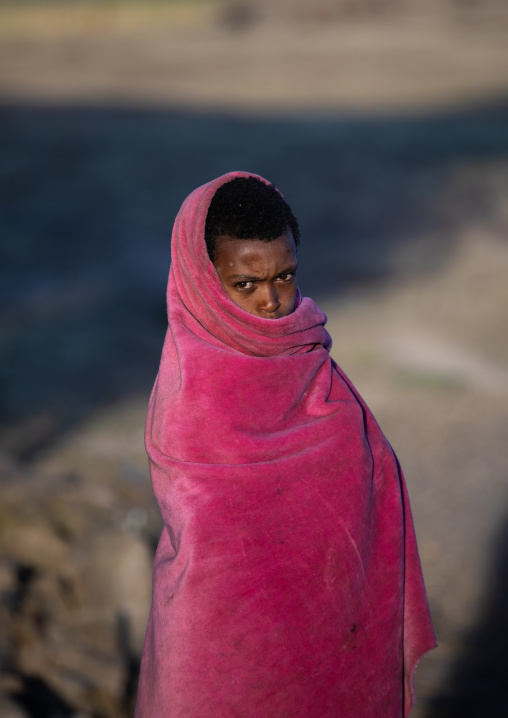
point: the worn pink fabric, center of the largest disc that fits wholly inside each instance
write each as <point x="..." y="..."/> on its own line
<point x="287" y="580"/>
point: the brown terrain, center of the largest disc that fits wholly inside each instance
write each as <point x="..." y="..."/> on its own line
<point x="386" y="126"/>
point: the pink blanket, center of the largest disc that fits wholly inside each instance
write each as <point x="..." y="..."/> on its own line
<point x="287" y="580"/>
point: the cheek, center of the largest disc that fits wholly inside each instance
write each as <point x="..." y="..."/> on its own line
<point x="288" y="293"/>
<point x="287" y="299"/>
<point x="241" y="300"/>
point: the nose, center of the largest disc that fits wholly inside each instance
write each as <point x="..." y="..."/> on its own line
<point x="269" y="301"/>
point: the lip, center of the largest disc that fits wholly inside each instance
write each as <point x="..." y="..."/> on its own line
<point x="276" y="316"/>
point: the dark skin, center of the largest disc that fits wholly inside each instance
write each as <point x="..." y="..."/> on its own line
<point x="259" y="276"/>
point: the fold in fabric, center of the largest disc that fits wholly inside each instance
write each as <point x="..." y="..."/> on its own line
<point x="287" y="580"/>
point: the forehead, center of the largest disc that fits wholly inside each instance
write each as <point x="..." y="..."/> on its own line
<point x="256" y="253"/>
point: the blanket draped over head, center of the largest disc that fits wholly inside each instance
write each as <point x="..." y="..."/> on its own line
<point x="287" y="580"/>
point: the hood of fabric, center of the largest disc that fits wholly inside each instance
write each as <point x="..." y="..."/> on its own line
<point x="197" y="298"/>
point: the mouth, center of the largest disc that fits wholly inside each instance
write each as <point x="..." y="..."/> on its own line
<point x="277" y="315"/>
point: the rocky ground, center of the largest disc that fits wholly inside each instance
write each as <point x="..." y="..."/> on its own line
<point x="388" y="133"/>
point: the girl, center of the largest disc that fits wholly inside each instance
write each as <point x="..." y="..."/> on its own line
<point x="287" y="580"/>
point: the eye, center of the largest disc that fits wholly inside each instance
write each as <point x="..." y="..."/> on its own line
<point x="286" y="277"/>
<point x="244" y="286"/>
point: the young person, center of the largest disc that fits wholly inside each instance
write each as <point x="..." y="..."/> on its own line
<point x="287" y="580"/>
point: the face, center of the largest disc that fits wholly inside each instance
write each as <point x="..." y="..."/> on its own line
<point x="259" y="276"/>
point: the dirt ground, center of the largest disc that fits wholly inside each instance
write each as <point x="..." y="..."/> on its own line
<point x="389" y="137"/>
<point x="193" y="55"/>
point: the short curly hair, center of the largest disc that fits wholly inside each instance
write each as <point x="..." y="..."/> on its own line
<point x="248" y="208"/>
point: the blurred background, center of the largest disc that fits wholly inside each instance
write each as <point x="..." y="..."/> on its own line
<point x="385" y="124"/>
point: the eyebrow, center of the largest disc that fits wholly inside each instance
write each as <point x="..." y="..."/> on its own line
<point x="247" y="278"/>
<point x="243" y="277"/>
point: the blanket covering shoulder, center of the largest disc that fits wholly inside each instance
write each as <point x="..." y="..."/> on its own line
<point x="287" y="580"/>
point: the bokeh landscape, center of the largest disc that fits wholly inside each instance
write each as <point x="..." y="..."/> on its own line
<point x="385" y="124"/>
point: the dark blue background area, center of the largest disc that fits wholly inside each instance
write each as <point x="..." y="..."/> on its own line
<point x="89" y="196"/>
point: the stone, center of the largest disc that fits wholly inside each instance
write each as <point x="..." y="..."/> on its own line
<point x="10" y="709"/>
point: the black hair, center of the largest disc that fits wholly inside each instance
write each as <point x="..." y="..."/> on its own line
<point x="248" y="208"/>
